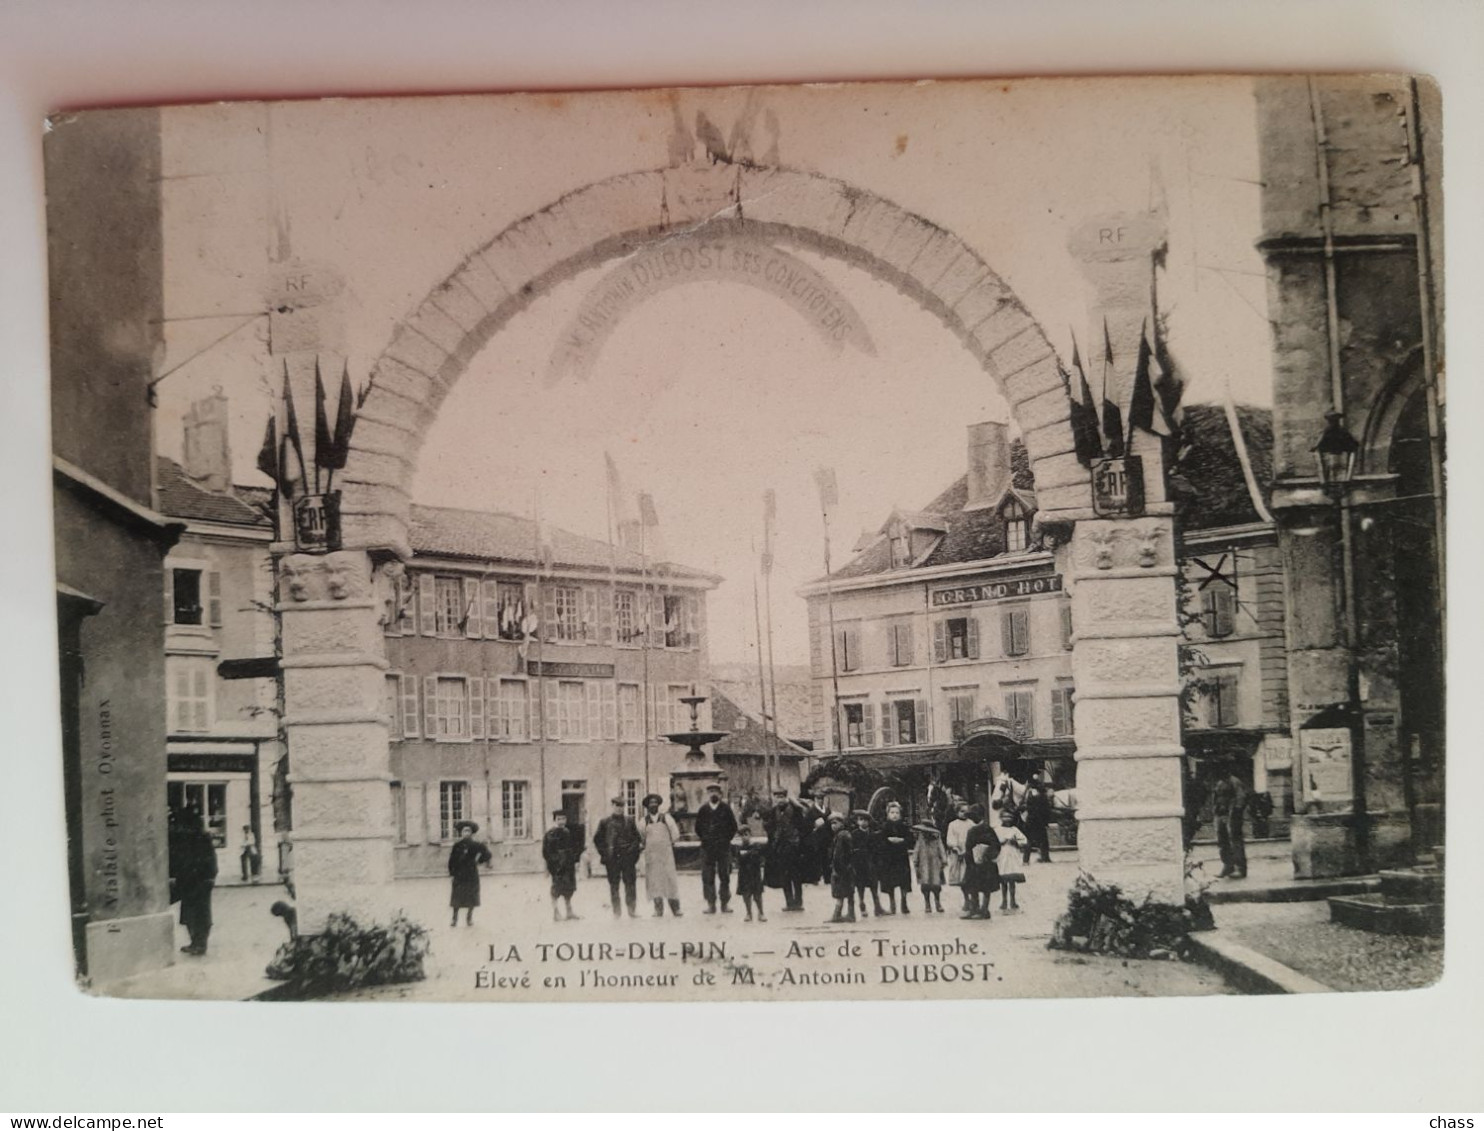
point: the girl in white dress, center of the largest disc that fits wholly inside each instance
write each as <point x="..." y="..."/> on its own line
<point x="1012" y="845"/>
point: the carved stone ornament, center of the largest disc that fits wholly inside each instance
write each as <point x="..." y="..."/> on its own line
<point x="1148" y="543"/>
<point x="344" y="576"/>
<point x="1102" y="539"/>
<point x="295" y="569"/>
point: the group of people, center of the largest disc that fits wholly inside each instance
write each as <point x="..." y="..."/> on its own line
<point x="869" y="865"/>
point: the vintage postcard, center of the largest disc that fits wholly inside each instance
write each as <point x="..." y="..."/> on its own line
<point x="937" y="540"/>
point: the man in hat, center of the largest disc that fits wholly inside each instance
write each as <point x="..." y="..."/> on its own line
<point x="659" y="832"/>
<point x="716" y="824"/>
<point x="464" y="860"/>
<point x="785" y="826"/>
<point x="560" y="848"/>
<point x="619" y="845"/>
<point x="1036" y="818"/>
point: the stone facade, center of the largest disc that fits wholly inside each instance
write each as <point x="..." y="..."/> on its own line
<point x="1351" y="211"/>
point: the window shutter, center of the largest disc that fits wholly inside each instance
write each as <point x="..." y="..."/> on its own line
<point x="548" y="614"/>
<point x="656" y="620"/>
<point x="549" y="709"/>
<point x="1007" y="632"/>
<point x="1023" y="626"/>
<point x="1208" y="612"/>
<point x="431" y="714"/>
<point x="868" y="726"/>
<point x="476" y="707"/>
<point x="431" y="797"/>
<point x="589" y="605"/>
<point x="415" y="808"/>
<point x="610" y="711"/>
<point x="1225" y="611"/>
<point x="940" y="642"/>
<point x="594" y="693"/>
<point x="203" y="698"/>
<point x="905" y="643"/>
<point x="924" y="722"/>
<point x="531" y="606"/>
<point x="606" y="600"/>
<point x="490" y="599"/>
<point x="1066" y="624"/>
<point x="427" y="605"/>
<point x="1058" y="712"/>
<point x="410" y="713"/>
<point x="473" y="609"/>
<point x="214" y="598"/>
<point x="692" y="621"/>
<point x="533" y="710"/>
<point x="973" y="634"/>
<point x="1227" y="698"/>
<point x="169" y="595"/>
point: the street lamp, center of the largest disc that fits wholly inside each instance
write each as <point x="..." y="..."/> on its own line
<point x="1335" y="454"/>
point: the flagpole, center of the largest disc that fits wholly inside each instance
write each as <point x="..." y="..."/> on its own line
<point x="772" y="676"/>
<point x="829" y="595"/>
<point x="540" y="680"/>
<point x="762" y="687"/>
<point x="648" y="610"/>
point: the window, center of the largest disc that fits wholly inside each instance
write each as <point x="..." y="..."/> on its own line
<point x="956" y="639"/>
<point x="1221" y="701"/>
<point x="191" y="694"/>
<point x="860" y="724"/>
<point x="907" y="722"/>
<point x="1219" y="609"/>
<point x="448" y="719"/>
<point x="515" y="810"/>
<point x="453" y="807"/>
<point x="186" y="597"/>
<point x="207" y="798"/>
<point x="961" y="711"/>
<point x="629" y="791"/>
<point x="1061" y="711"/>
<point x="571" y="708"/>
<point x="511" y="710"/>
<point x="564" y="613"/>
<point x="900" y="536"/>
<point x="1020" y="710"/>
<point x="1066" y="625"/>
<point x="410" y="720"/>
<point x="630" y="724"/>
<point x="675" y="618"/>
<point x="899" y="643"/>
<point x="626" y="618"/>
<point x="448" y="606"/>
<point x="1017" y="522"/>
<point x="1015" y="629"/>
<point x="847" y="649"/>
<point x="510" y="611"/>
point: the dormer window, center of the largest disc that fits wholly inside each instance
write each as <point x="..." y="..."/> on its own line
<point x="901" y="546"/>
<point x="1017" y="520"/>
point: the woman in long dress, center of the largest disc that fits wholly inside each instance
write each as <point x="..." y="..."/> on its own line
<point x="661" y="883"/>
<point x="953" y="841"/>
<point x="464" y="860"/>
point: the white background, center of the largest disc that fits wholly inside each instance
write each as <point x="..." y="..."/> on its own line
<point x="61" y="1051"/>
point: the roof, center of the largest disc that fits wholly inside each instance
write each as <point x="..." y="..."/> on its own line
<point x="1206" y="480"/>
<point x="180" y="497"/>
<point x="746" y="732"/>
<point x="451" y="532"/>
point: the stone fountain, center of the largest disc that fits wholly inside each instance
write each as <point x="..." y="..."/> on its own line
<point x="689" y="783"/>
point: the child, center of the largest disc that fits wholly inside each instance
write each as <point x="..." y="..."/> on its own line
<point x="750" y="874"/>
<point x="863" y="862"/>
<point x="842" y="872"/>
<point x="1013" y="843"/>
<point x="929" y="861"/>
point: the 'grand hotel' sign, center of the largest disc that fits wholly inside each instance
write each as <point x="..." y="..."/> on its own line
<point x="997" y="590"/>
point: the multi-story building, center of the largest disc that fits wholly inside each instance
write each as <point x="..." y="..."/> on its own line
<point x="222" y="717"/>
<point x="1351" y="215"/>
<point x="531" y="671"/>
<point x="952" y="628"/>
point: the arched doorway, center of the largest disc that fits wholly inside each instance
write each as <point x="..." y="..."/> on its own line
<point x="1121" y="570"/>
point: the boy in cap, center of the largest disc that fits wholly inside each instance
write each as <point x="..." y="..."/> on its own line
<point x="464" y="860"/>
<point x="750" y="874"/>
<point x="863" y="862"/>
<point x="842" y="871"/>
<point x="560" y="849"/>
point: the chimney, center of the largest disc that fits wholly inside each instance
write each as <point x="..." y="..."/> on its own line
<point x="989" y="463"/>
<point x="207" y="458"/>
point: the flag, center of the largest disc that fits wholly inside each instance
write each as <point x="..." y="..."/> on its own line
<point x="268" y="455"/>
<point x="1168" y="386"/>
<point x="324" y="443"/>
<point x="1112" y="415"/>
<point x="647" y="515"/>
<point x="770" y="521"/>
<point x="1144" y="412"/>
<point x="829" y="491"/>
<point x="345" y="423"/>
<point x="1084" y="417"/>
<point x="291" y="432"/>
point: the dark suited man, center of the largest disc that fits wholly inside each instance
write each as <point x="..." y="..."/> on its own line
<point x="716" y="824"/>
<point x="619" y="847"/>
<point x="785" y="826"/>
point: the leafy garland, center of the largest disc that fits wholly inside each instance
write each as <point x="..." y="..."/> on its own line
<point x="348" y="955"/>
